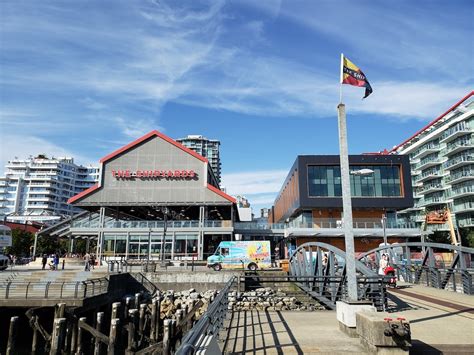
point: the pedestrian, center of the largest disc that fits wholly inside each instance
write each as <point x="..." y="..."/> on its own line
<point x="92" y="262"/>
<point x="325" y="261"/>
<point x="87" y="262"/>
<point x="276" y="259"/>
<point x="44" y="260"/>
<point x="383" y="264"/>
<point x="56" y="261"/>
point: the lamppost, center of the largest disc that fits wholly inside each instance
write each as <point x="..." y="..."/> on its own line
<point x="163" y="236"/>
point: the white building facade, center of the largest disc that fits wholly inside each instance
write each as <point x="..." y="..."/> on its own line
<point x="442" y="167"/>
<point x="208" y="148"/>
<point x="37" y="188"/>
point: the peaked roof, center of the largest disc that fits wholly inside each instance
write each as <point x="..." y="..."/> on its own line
<point x="136" y="142"/>
<point x="147" y="136"/>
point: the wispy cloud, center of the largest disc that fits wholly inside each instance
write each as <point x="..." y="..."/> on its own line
<point x="254" y="182"/>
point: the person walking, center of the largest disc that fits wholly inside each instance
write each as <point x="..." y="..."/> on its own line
<point x="87" y="262"/>
<point x="383" y="264"/>
<point x="56" y="261"/>
<point x="44" y="260"/>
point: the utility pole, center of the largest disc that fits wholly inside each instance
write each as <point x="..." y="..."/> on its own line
<point x="347" y="205"/>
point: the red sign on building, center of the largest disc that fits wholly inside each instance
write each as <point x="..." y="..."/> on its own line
<point x="168" y="174"/>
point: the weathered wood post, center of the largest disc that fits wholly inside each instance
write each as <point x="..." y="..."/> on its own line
<point x="115" y="310"/>
<point x="80" y="340"/>
<point x="12" y="336"/>
<point x="141" y="323"/>
<point x="57" y="338"/>
<point x="59" y="310"/>
<point x="191" y="318"/>
<point x="98" y="327"/>
<point x="73" y="335"/>
<point x="153" y="322"/>
<point x="113" y="335"/>
<point x="173" y="334"/>
<point x="34" y="340"/>
<point x="138" y="297"/>
<point x="131" y="345"/>
<point x="166" y="336"/>
<point x="127" y="307"/>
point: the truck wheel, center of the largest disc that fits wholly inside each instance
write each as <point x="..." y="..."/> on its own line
<point x="217" y="267"/>
<point x="253" y="267"/>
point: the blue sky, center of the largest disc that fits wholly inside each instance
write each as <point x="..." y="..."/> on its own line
<point x="83" y="78"/>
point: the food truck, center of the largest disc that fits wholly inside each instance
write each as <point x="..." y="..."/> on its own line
<point x="251" y="255"/>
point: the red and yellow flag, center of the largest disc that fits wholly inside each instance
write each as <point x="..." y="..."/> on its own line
<point x="352" y="75"/>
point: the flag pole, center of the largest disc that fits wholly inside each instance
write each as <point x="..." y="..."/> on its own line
<point x="342" y="77"/>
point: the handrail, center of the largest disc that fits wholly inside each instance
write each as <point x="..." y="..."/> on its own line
<point x="209" y="323"/>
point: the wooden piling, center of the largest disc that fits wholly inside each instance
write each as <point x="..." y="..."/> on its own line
<point x="138" y="297"/>
<point x="153" y="322"/>
<point x="141" y="323"/>
<point x="59" y="310"/>
<point x="98" y="327"/>
<point x="131" y="344"/>
<point x="115" y="310"/>
<point x="12" y="336"/>
<point x="80" y="340"/>
<point x="57" y="338"/>
<point x="34" y="340"/>
<point x="113" y="336"/>
<point x="73" y="335"/>
<point x="166" y="336"/>
<point x="127" y="307"/>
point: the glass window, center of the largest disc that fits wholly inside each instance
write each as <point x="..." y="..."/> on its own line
<point x="325" y="181"/>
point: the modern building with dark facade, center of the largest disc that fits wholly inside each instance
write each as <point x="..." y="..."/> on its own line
<point x="154" y="197"/>
<point x="310" y="200"/>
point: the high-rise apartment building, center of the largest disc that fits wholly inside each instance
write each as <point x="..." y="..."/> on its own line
<point x="208" y="148"/>
<point x="37" y="188"/>
<point x="442" y="166"/>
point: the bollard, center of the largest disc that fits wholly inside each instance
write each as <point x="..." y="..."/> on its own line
<point x="80" y="339"/>
<point x="12" y="336"/>
<point x="166" y="336"/>
<point x="115" y="310"/>
<point x="57" y="338"/>
<point x="98" y="327"/>
<point x="114" y="325"/>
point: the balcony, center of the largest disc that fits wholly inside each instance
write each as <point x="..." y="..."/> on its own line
<point x="426" y="189"/>
<point x="457" y="147"/>
<point x="431" y="201"/>
<point x="467" y="206"/>
<point x="426" y="150"/>
<point x="466" y="221"/>
<point x="462" y="191"/>
<point x="460" y="177"/>
<point x="428" y="176"/>
<point x="454" y="132"/>
<point x="458" y="162"/>
<point x="428" y="164"/>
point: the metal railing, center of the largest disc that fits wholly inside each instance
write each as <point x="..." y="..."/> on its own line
<point x="362" y="223"/>
<point x="55" y="290"/>
<point x="209" y="324"/>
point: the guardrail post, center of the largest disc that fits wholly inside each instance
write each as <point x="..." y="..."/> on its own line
<point x="7" y="291"/>
<point x="85" y="288"/>
<point x="12" y="336"/>
<point x="166" y="336"/>
<point x="58" y="336"/>
<point x="27" y="288"/>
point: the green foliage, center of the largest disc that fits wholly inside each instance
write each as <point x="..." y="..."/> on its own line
<point x="442" y="237"/>
<point x="467" y="237"/>
<point x="21" y="243"/>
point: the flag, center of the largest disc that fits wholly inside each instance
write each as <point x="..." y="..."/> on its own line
<point x="352" y="75"/>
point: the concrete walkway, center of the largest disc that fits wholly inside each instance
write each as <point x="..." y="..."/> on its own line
<point x="273" y="332"/>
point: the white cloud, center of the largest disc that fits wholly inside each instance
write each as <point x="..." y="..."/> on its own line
<point x="135" y="128"/>
<point x="255" y="182"/>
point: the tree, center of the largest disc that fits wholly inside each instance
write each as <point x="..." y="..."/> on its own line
<point x="22" y="241"/>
